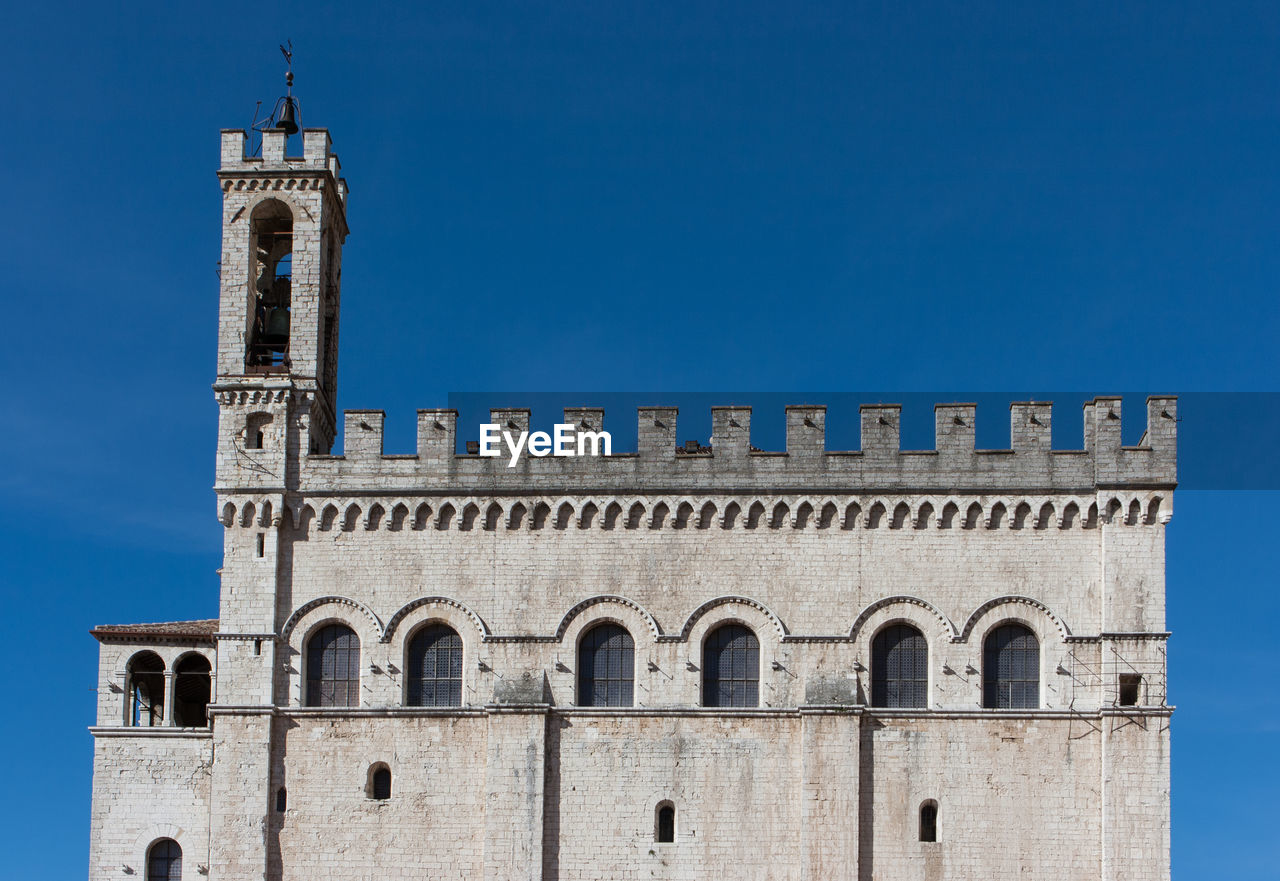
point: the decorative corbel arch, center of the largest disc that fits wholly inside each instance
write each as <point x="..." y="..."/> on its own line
<point x="581" y="607"/>
<point x="1012" y="599"/>
<point x="305" y="608"/>
<point x="729" y="600"/>
<point x="943" y="621"/>
<point x="410" y="607"/>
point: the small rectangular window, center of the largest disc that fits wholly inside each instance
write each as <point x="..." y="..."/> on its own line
<point x="1130" y="689"/>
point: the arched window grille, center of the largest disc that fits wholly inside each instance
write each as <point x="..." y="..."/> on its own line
<point x="146" y="690"/>
<point x="665" y="833"/>
<point x="192" y="689"/>
<point x="1011" y="669"/>
<point x="435" y="667"/>
<point x="333" y="667"/>
<point x="380" y="788"/>
<point x="929" y="821"/>
<point x="606" y="667"/>
<point x="731" y="667"/>
<point x="899" y="668"/>
<point x="164" y="861"/>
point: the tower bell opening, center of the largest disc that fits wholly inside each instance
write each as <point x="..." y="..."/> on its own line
<point x="272" y="244"/>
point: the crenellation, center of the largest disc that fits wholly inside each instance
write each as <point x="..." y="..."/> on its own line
<point x="730" y="462"/>
<point x="731" y="433"/>
<point x="1030" y="426"/>
<point x="656" y="434"/>
<point x="881" y="427"/>
<point x="806" y="431"/>
<point x="362" y="433"/>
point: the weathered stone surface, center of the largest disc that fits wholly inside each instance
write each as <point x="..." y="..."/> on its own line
<point x="816" y="551"/>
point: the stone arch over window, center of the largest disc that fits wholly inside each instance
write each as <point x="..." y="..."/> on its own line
<point x="192" y="691"/>
<point x="731" y="667"/>
<point x="664" y="823"/>
<point x="164" y="861"/>
<point x="929" y="820"/>
<point x="145" y="691"/>
<point x="899" y="667"/>
<point x="433" y="667"/>
<point x="606" y="666"/>
<point x="1011" y="668"/>
<point x="333" y="666"/>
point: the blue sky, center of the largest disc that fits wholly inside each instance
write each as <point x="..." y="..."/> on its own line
<point x="685" y="197"/>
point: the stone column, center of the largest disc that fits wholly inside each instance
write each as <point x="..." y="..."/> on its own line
<point x="169" y="679"/>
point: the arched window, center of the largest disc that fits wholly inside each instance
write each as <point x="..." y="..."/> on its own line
<point x="333" y="667"/>
<point x="1011" y="669"/>
<point x="164" y="861"/>
<point x="665" y="827"/>
<point x="380" y="783"/>
<point x="899" y="668"/>
<point x="146" y="690"/>
<point x="192" y="688"/>
<point x="606" y="667"/>
<point x="929" y="821"/>
<point x="435" y="667"/>
<point x="731" y="667"/>
<point x="271" y="225"/>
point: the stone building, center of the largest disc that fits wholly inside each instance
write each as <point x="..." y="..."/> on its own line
<point x="680" y="663"/>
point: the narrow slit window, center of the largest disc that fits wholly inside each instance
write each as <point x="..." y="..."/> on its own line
<point x="262" y="545"/>
<point x="929" y="821"/>
<point x="666" y="831"/>
<point x="282" y="800"/>
<point x="381" y="789"/>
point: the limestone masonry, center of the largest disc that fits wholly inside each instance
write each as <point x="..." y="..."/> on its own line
<point x="685" y="662"/>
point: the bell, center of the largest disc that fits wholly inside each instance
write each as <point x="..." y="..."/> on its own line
<point x="277" y="325"/>
<point x="288" y="122"/>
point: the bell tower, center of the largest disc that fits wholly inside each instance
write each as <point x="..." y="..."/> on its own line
<point x="283" y="226"/>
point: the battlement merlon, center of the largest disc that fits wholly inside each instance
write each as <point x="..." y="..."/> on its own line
<point x="317" y="156"/>
<point x="730" y="463"/>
